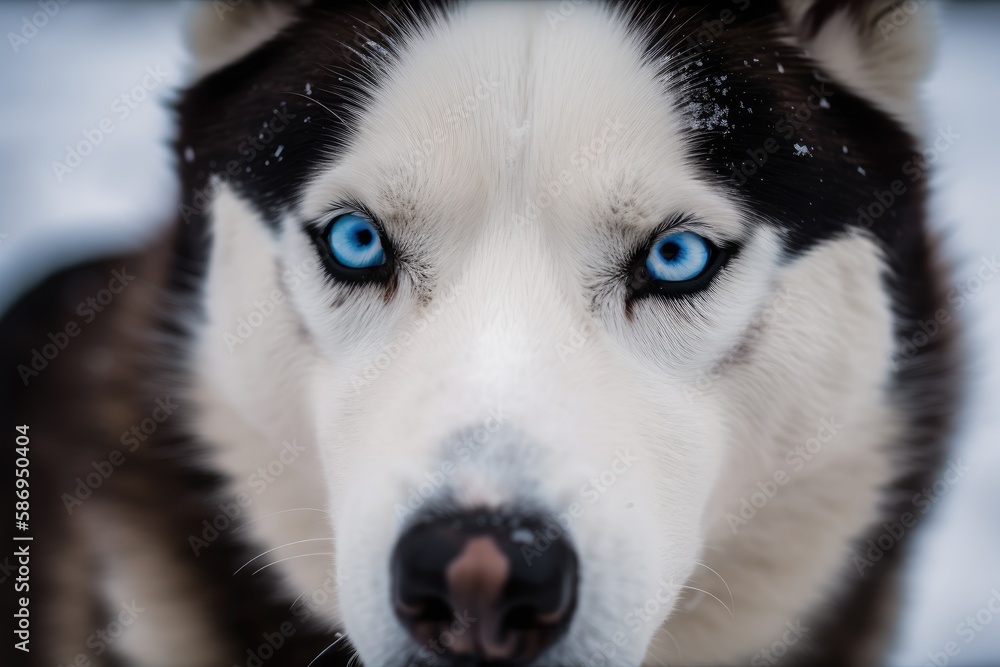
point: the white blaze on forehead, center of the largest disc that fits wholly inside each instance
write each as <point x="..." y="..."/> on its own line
<point x="500" y="148"/>
<point x="498" y="115"/>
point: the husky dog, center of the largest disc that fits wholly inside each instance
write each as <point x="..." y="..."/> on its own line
<point x="557" y="334"/>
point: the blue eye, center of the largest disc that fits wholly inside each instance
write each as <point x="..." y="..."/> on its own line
<point x="678" y="257"/>
<point x="355" y="243"/>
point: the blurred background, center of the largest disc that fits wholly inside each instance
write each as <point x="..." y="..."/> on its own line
<point x="107" y="72"/>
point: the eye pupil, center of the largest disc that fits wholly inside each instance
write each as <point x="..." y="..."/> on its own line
<point x="669" y="251"/>
<point x="364" y="237"/>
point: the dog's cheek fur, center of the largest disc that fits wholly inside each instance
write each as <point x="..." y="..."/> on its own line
<point x="820" y="414"/>
<point x="250" y="350"/>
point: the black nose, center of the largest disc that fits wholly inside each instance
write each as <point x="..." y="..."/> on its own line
<point x="483" y="588"/>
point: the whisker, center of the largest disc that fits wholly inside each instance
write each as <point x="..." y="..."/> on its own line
<point x="713" y="597"/>
<point x="680" y="657"/>
<point x="312" y="539"/>
<point x="315" y="101"/>
<point x="732" y="601"/>
<point x="282" y="560"/>
<point x="336" y="641"/>
<point x="296" y="600"/>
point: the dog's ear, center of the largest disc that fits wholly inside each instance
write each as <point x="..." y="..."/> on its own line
<point x="223" y="31"/>
<point x="880" y="49"/>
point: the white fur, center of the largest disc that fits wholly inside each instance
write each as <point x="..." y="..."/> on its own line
<point x="501" y="294"/>
<point x="250" y="411"/>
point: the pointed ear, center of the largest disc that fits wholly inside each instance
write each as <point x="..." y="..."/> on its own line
<point x="878" y="48"/>
<point x="223" y="31"/>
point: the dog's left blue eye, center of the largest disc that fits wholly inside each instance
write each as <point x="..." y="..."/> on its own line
<point x="678" y="257"/>
<point x="355" y="243"/>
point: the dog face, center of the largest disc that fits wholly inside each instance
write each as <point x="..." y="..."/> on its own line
<point x="537" y="298"/>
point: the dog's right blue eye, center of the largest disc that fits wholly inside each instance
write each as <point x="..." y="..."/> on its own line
<point x="680" y="257"/>
<point x="676" y="264"/>
<point x="355" y="243"/>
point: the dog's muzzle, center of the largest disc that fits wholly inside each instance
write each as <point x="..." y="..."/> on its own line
<point x="467" y="592"/>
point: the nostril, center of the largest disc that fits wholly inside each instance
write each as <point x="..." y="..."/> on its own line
<point x="520" y="618"/>
<point x="430" y="610"/>
<point x="462" y="585"/>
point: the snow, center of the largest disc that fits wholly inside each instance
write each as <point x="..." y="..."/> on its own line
<point x="958" y="565"/>
<point x="91" y="53"/>
<point x="706" y="116"/>
<point x="59" y="85"/>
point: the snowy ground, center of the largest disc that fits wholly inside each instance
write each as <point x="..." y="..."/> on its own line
<point x="69" y="77"/>
<point x="958" y="568"/>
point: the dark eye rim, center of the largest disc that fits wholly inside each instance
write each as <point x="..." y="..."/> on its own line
<point x="319" y="234"/>
<point x="641" y="285"/>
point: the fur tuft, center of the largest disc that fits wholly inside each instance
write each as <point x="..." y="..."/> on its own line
<point x="879" y="49"/>
<point x="220" y="33"/>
